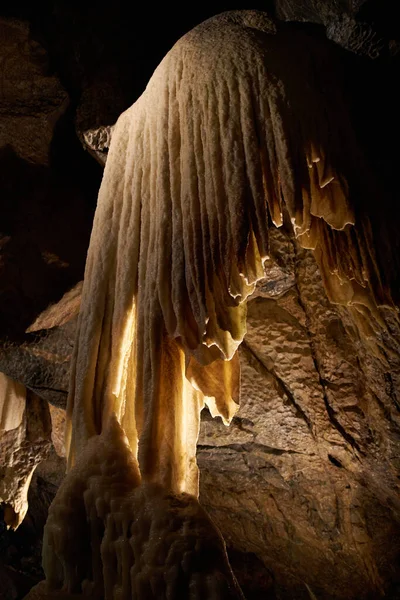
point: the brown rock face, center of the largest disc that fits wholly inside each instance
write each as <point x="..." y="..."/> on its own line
<point x="304" y="485"/>
<point x="32" y="99"/>
<point x="46" y="215"/>
<point x="360" y="26"/>
<point x="305" y="480"/>
<point x="25" y="430"/>
<point x="307" y="477"/>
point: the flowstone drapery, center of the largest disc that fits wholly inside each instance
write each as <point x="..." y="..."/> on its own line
<point x="242" y="127"/>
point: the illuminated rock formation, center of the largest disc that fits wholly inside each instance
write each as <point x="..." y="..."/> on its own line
<point x="240" y="128"/>
<point x="125" y="540"/>
<point x="25" y="430"/>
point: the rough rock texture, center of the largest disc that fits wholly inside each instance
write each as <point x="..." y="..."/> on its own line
<point x="301" y="503"/>
<point x="25" y="430"/>
<point x="41" y="361"/>
<point x="110" y="536"/>
<point x="32" y="100"/>
<point x="21" y="550"/>
<point x="360" y="26"/>
<point x="45" y="210"/>
<point x="307" y="477"/>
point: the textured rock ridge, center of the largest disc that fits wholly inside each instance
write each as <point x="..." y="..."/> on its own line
<point x="25" y="440"/>
<point x="307" y="475"/>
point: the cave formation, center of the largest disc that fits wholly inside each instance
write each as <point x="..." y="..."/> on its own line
<point x="226" y="146"/>
<point x="224" y="141"/>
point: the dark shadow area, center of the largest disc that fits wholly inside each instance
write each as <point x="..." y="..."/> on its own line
<point x="256" y="581"/>
<point x="47" y="216"/>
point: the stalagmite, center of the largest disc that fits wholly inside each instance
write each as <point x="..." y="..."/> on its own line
<point x="239" y="126"/>
<point x="135" y="541"/>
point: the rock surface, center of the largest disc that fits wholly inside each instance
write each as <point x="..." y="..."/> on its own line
<point x="306" y="479"/>
<point x="46" y="205"/>
<point x="360" y="26"/>
<point x="25" y="430"/>
<point x="304" y="485"/>
<point x="110" y="536"/>
<point x="307" y="476"/>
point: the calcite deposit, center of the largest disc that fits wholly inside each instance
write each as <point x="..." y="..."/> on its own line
<point x="25" y="440"/>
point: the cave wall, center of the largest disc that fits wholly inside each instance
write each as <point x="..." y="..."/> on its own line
<point x="307" y="476"/>
<point x="304" y="485"/>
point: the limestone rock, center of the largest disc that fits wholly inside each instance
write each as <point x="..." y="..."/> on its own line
<point x="31" y="99"/>
<point x="307" y="477"/>
<point x="348" y="24"/>
<point x="25" y="430"/>
<point x="41" y="361"/>
<point x="110" y="536"/>
<point x="46" y="217"/>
